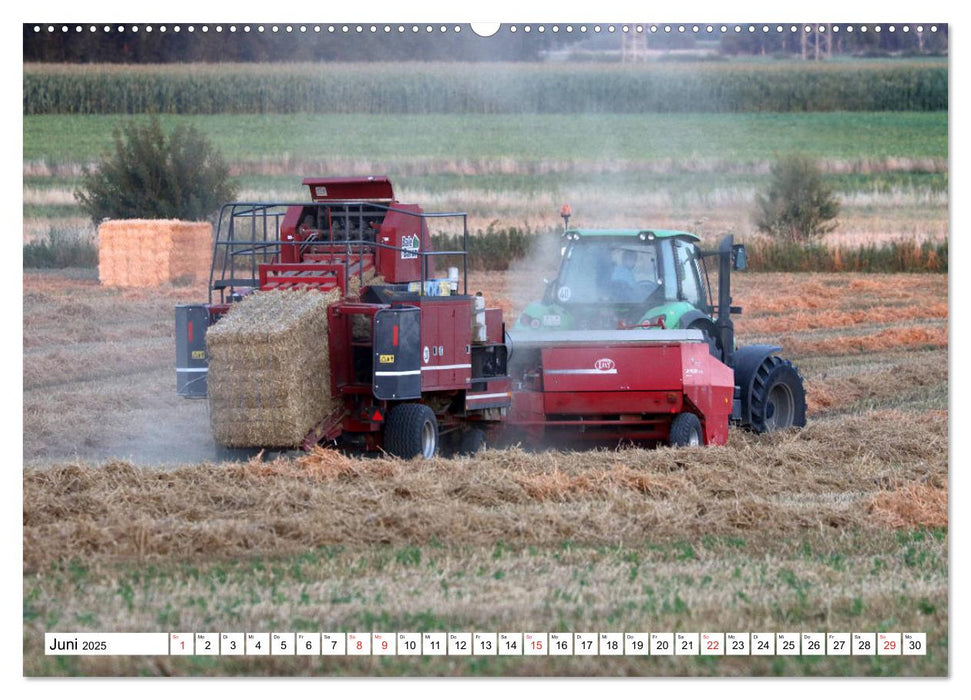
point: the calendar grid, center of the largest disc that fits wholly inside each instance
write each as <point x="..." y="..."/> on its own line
<point x="486" y="644"/>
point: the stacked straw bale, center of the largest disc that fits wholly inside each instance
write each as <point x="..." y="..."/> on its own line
<point x="150" y="252"/>
<point x="269" y="369"/>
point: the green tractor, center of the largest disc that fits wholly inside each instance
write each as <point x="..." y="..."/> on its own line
<point x="611" y="279"/>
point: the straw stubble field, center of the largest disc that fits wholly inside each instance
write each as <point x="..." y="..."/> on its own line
<point x="129" y="525"/>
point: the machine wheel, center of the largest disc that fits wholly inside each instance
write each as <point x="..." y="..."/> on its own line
<point x="685" y="431"/>
<point x="708" y="331"/>
<point x="778" y="398"/>
<point x="473" y="441"/>
<point x="411" y="431"/>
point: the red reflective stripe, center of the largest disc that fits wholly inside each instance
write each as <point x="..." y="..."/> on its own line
<point x="190" y="332"/>
<point x="394" y="337"/>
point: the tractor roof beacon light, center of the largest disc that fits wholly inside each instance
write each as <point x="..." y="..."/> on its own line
<point x="566" y="213"/>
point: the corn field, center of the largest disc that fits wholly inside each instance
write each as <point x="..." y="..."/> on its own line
<point x="490" y="88"/>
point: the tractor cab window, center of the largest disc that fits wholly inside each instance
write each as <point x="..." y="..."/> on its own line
<point x="625" y="273"/>
<point x="688" y="273"/>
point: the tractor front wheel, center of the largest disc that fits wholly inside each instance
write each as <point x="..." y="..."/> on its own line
<point x="411" y="431"/>
<point x="778" y="398"/>
<point x="685" y="431"/>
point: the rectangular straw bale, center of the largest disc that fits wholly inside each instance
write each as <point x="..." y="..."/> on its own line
<point x="150" y="252"/>
<point x="269" y="369"/>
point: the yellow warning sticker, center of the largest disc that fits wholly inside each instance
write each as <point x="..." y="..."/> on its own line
<point x="198" y="354"/>
<point x="386" y="359"/>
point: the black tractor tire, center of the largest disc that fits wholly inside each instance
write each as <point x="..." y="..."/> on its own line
<point x="778" y="399"/>
<point x="411" y="431"/>
<point x="685" y="431"/>
<point x="473" y="441"/>
<point x="708" y="331"/>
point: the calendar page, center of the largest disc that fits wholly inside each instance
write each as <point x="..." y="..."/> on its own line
<point x="526" y="349"/>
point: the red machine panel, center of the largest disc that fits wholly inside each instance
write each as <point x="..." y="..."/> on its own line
<point x="647" y="367"/>
<point x="359" y="189"/>
<point x="494" y="325"/>
<point x="408" y="238"/>
<point x="446" y="337"/>
<point x="527" y="407"/>
<point x="709" y="386"/>
<point x="598" y="403"/>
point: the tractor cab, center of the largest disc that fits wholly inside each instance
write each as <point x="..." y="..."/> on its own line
<point x="623" y="278"/>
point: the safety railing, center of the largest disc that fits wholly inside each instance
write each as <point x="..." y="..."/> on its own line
<point x="248" y="235"/>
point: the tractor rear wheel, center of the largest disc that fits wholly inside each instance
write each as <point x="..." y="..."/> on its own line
<point x="778" y="398"/>
<point x="685" y="431"/>
<point x="411" y="431"/>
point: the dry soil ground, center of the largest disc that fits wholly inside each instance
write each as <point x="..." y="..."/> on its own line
<point x="129" y="525"/>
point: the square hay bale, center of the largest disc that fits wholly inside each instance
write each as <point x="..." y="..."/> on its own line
<point x="269" y="369"/>
<point x="150" y="252"/>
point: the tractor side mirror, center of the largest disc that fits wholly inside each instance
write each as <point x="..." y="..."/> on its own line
<point x="739" y="261"/>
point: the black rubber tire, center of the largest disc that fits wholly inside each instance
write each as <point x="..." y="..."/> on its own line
<point x="473" y="441"/>
<point x="708" y="331"/>
<point x="411" y="431"/>
<point x="685" y="431"/>
<point x="778" y="399"/>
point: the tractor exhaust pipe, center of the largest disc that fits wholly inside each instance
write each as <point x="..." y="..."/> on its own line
<point x="724" y="326"/>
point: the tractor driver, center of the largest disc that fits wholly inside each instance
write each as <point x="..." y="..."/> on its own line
<point x="623" y="281"/>
<point x="624" y="284"/>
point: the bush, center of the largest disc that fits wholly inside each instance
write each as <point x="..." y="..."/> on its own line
<point x="897" y="256"/>
<point x="153" y="176"/>
<point x="492" y="249"/>
<point x="60" y="250"/>
<point x="798" y="206"/>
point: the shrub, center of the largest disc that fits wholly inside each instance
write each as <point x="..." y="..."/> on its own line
<point x="492" y="249"/>
<point x="60" y="250"/>
<point x="151" y="175"/>
<point x="797" y="206"/>
<point x="897" y="256"/>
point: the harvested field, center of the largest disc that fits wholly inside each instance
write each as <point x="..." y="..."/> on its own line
<point x="130" y="523"/>
<point x="834" y="475"/>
